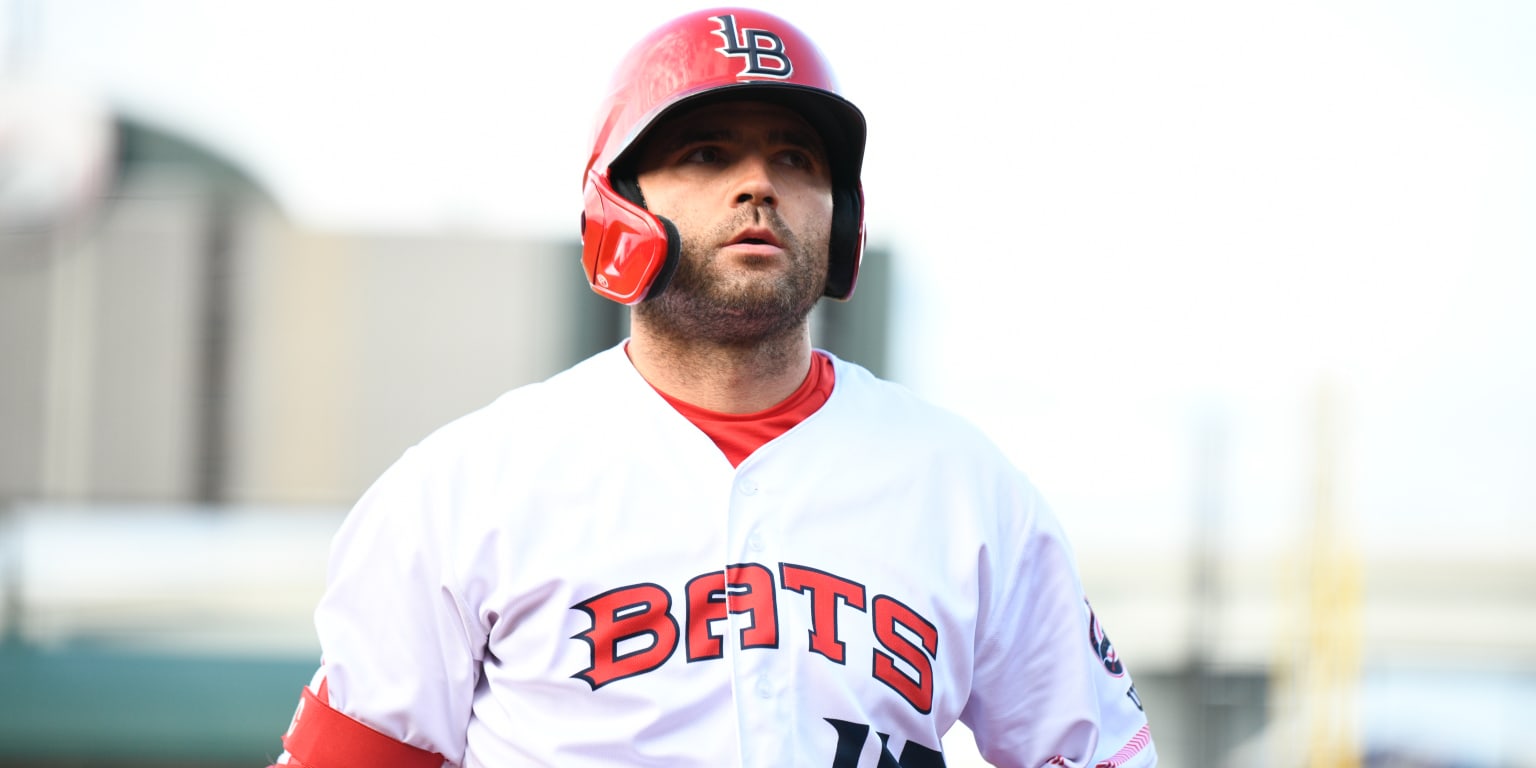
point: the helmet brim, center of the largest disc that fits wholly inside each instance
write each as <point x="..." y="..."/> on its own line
<point x="840" y="124"/>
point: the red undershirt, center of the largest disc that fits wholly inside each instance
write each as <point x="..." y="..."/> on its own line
<point x="739" y="434"/>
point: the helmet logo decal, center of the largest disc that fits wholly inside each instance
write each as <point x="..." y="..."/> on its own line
<point x="763" y="50"/>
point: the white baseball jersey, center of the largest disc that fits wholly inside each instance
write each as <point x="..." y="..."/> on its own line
<point x="576" y="576"/>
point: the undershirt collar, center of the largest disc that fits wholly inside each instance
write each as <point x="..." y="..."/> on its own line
<point x="739" y="434"/>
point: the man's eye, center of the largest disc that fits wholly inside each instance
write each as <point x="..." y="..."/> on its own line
<point x="797" y="159"/>
<point x="702" y="155"/>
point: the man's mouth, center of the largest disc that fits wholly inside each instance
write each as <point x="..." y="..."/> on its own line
<point x="755" y="236"/>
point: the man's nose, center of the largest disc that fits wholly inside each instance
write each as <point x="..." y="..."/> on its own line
<point x="754" y="182"/>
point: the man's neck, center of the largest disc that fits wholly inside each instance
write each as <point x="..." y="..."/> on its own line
<point x="727" y="378"/>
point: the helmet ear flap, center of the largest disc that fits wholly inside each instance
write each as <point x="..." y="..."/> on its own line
<point x="845" y="247"/>
<point x="663" y="276"/>
<point x="628" y="253"/>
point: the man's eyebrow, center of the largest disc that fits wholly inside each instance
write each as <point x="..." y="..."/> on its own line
<point x="801" y="139"/>
<point x="688" y="136"/>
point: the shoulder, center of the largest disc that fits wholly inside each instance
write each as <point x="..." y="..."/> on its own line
<point x="540" y="435"/>
<point x="887" y="411"/>
<point x="588" y="391"/>
<point x="582" y="409"/>
<point x="883" y="429"/>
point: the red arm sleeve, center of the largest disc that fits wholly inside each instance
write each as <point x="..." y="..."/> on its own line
<point x="322" y="737"/>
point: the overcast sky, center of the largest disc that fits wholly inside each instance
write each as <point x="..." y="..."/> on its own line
<point x="1118" y="227"/>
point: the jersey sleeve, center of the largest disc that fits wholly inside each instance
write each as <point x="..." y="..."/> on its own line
<point x="1049" y="689"/>
<point x="400" y="649"/>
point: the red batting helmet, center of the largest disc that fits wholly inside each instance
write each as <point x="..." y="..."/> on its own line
<point x="629" y="253"/>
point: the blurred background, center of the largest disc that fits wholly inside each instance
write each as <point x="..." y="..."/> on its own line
<point x="1246" y="288"/>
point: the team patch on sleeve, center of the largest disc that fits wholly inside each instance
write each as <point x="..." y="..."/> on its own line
<point x="1102" y="647"/>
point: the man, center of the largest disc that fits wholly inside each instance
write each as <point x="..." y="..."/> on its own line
<point x="712" y="545"/>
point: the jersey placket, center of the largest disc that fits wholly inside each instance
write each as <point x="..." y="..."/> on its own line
<point x="759" y="675"/>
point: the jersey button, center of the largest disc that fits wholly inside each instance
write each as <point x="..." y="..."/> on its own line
<point x="747" y="488"/>
<point x="755" y="541"/>
<point x="764" y="687"/>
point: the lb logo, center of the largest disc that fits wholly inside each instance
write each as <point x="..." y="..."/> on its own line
<point x="1102" y="647"/>
<point x="762" y="50"/>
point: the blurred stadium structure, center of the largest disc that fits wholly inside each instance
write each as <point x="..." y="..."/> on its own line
<point x="195" y="387"/>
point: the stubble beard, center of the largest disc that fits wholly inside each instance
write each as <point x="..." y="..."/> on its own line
<point x="705" y="303"/>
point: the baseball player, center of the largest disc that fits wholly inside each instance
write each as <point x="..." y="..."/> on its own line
<point x="712" y="545"/>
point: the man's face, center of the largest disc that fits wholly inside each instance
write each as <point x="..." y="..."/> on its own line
<point x="750" y="190"/>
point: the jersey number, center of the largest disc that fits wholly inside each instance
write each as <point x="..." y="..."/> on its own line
<point x="850" y="742"/>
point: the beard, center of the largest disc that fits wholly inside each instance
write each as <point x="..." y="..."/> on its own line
<point x="711" y="302"/>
